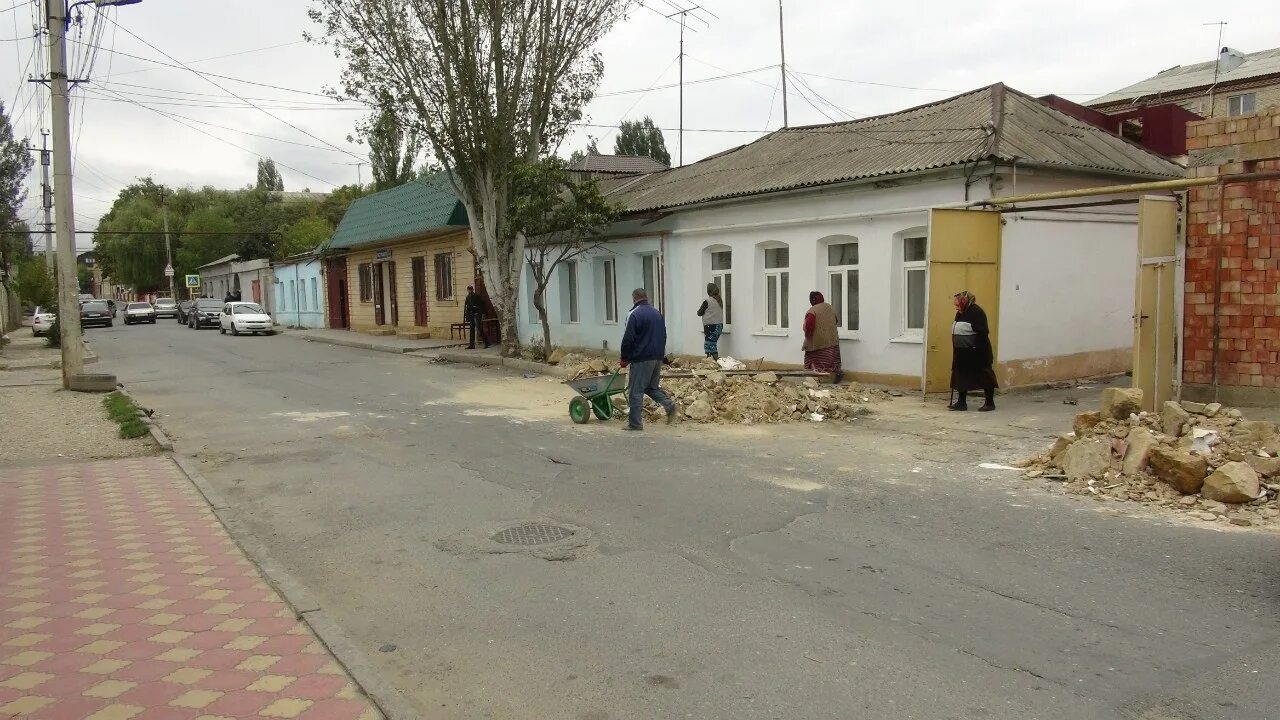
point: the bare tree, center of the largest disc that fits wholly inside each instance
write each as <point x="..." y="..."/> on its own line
<point x="488" y="83"/>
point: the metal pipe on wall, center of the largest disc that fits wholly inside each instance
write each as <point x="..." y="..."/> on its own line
<point x="1217" y="293"/>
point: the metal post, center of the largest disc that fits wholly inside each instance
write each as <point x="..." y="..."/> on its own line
<point x="680" y="159"/>
<point x="782" y="43"/>
<point x="168" y="254"/>
<point x="68" y="307"/>
<point x="46" y="199"/>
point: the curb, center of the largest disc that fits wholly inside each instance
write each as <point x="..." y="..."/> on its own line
<point x="361" y="344"/>
<point x="387" y="699"/>
<point x="511" y="363"/>
<point x="161" y="440"/>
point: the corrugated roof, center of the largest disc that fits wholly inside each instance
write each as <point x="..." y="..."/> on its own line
<point x="622" y="164"/>
<point x="994" y="122"/>
<point x="416" y="208"/>
<point x="1181" y="78"/>
<point x="219" y="261"/>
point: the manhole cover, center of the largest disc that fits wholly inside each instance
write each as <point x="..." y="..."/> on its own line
<point x="532" y="534"/>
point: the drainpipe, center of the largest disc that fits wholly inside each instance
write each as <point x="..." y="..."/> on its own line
<point x="1180" y="294"/>
<point x="1217" y="291"/>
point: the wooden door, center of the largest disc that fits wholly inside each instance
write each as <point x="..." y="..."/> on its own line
<point x="964" y="254"/>
<point x="421" y="314"/>
<point x="379" y="309"/>
<point x="1155" y="316"/>
<point x="392" y="282"/>
<point x="336" y="286"/>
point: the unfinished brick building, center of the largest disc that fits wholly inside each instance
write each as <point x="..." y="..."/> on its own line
<point x="1232" y="304"/>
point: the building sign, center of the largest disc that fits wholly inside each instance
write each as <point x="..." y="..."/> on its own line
<point x="193" y="281"/>
<point x="382" y="254"/>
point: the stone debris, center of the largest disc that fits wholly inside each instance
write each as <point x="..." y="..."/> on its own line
<point x="1203" y="460"/>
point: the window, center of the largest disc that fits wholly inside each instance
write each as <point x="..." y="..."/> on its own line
<point x="777" y="286"/>
<point x="569" y="291"/>
<point x="1241" y="104"/>
<point x="651" y="278"/>
<point x="366" y="282"/>
<point x="293" y="294"/>
<point x="914" y="267"/>
<point x="842" y="274"/>
<point x="315" y="295"/>
<point x="722" y="277"/>
<point x="610" y="272"/>
<point x="444" y="276"/>
<point x="284" y="305"/>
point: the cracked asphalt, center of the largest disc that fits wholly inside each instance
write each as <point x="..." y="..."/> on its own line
<point x="830" y="571"/>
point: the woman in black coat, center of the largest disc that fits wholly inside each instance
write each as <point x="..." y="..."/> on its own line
<point x="972" y="358"/>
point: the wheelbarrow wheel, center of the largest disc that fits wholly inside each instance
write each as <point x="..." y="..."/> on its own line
<point x="602" y="407"/>
<point x="579" y="410"/>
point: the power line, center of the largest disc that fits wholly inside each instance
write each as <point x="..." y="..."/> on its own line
<point x="221" y="57"/>
<point x="15" y="7"/>
<point x="915" y="87"/>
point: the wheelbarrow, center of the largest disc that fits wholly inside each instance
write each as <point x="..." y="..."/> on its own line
<point x="594" y="395"/>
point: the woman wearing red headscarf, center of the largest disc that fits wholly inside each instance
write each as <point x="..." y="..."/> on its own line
<point x="971" y="357"/>
<point x="822" y="338"/>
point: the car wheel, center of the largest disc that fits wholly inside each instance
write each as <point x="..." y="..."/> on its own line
<point x="234" y="329"/>
<point x="109" y="323"/>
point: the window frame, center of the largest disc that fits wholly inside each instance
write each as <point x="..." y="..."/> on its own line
<point x="570" y="289"/>
<point x="364" y="281"/>
<point x="442" y="269"/>
<point x="723" y="279"/>
<point x="315" y="295"/>
<point x="781" y="276"/>
<point x="652" y="261"/>
<point x="840" y="274"/>
<point x="907" y="268"/>
<point x="1240" y="101"/>
<point x="609" y="278"/>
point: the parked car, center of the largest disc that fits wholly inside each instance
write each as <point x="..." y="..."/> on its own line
<point x="139" y="312"/>
<point x="204" y="313"/>
<point x="42" y="321"/>
<point x="95" y="312"/>
<point x="242" y="317"/>
<point x="166" y="307"/>
<point x="111" y="304"/>
<point x="184" y="309"/>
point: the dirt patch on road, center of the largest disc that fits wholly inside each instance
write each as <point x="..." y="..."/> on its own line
<point x="47" y="423"/>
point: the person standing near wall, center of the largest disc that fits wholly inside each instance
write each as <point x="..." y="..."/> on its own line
<point x="971" y="354"/>
<point x="712" y="314"/>
<point x="822" y="338"/>
<point x="473" y="315"/>
<point x="644" y="345"/>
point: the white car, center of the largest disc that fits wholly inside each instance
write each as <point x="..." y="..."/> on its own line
<point x="245" y="317"/>
<point x="42" y="321"/>
<point x="139" y="312"/>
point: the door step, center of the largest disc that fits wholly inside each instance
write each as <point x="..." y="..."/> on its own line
<point x="414" y="334"/>
<point x="379" y="332"/>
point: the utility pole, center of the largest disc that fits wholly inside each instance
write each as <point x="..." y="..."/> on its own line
<point x="168" y="254"/>
<point x="46" y="199"/>
<point x="1217" y="65"/>
<point x="782" y="43"/>
<point x="680" y="158"/>
<point x="68" y="307"/>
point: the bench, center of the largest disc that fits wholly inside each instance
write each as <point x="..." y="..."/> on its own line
<point x="487" y="328"/>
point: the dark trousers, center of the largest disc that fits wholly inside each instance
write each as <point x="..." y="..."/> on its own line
<point x="642" y="379"/>
<point x="989" y="395"/>
<point x="472" y="323"/>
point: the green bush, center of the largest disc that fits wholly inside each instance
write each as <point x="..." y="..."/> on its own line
<point x="55" y="335"/>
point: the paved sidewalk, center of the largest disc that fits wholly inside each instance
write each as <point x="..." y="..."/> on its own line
<point x="123" y="598"/>
<point x="380" y="343"/>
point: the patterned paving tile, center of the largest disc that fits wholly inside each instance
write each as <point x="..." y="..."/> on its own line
<point x="123" y="598"/>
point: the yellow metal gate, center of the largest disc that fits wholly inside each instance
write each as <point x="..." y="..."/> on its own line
<point x="964" y="254"/>
<point x="1155" y="318"/>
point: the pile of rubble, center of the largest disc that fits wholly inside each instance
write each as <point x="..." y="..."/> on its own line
<point x="1202" y="459"/>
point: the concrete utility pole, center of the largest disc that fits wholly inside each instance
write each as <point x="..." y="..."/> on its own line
<point x="168" y="254"/>
<point x="782" y="44"/>
<point x="68" y="289"/>
<point x="46" y="199"/>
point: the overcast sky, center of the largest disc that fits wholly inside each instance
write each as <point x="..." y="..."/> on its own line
<point x="887" y="56"/>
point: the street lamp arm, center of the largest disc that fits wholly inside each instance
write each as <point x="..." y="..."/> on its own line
<point x="96" y="3"/>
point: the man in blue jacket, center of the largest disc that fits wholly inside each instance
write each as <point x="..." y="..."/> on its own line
<point x="644" y="344"/>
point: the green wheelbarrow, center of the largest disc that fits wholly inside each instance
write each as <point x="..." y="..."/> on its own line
<point x="594" y="396"/>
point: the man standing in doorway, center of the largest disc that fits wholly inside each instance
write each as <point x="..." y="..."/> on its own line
<point x="644" y="344"/>
<point x="473" y="314"/>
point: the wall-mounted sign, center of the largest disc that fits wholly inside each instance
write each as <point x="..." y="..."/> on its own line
<point x="382" y="254"/>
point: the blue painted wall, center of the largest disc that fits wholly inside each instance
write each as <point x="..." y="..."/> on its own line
<point x="299" y="294"/>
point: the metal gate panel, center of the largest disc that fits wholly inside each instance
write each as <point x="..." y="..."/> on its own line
<point x="1155" y="316"/>
<point x="964" y="254"/>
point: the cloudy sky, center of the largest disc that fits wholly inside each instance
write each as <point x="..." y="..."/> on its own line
<point x="142" y="114"/>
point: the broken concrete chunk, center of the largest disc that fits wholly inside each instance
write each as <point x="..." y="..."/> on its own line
<point x="557" y="356"/>
<point x="1234" y="482"/>
<point x="1257" y="432"/>
<point x="1267" y="467"/>
<point x="1180" y="469"/>
<point x="1141" y="442"/>
<point x="1086" y="459"/>
<point x="1193" y="407"/>
<point x="765" y="377"/>
<point x="1172" y="418"/>
<point x="1085" y="422"/>
<point x="1120" y="403"/>
<point x="1061" y="444"/>
<point x="1212" y="409"/>
<point x="700" y="410"/>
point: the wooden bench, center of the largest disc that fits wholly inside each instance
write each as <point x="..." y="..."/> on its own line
<point x="487" y="328"/>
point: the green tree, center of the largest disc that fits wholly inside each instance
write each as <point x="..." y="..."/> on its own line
<point x="641" y="137"/>
<point x="340" y="198"/>
<point x="303" y="236"/>
<point x="196" y="249"/>
<point x="562" y="220"/>
<point x="84" y="278"/>
<point x="34" y="284"/>
<point x="394" y="147"/>
<point x="489" y="85"/>
<point x="15" y="238"/>
<point x="135" y="245"/>
<point x="268" y="176"/>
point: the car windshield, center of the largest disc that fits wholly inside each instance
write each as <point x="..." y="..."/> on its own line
<point x="95" y="306"/>
<point x="139" y="306"/>
<point x="247" y="310"/>
<point x="165" y="302"/>
<point x="209" y="304"/>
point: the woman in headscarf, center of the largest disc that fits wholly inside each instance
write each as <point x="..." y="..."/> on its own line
<point x="822" y="338"/>
<point x="971" y="358"/>
<point x="712" y="314"/>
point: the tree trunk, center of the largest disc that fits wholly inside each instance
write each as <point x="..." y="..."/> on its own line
<point x="540" y="304"/>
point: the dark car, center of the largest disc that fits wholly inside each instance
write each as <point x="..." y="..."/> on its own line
<point x="95" y="312"/>
<point x="165" y="307"/>
<point x="184" y="309"/>
<point x="205" y="313"/>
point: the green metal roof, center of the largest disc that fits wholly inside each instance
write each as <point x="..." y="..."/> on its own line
<point x="419" y="207"/>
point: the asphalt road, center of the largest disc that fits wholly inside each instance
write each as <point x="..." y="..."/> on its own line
<point x="801" y="572"/>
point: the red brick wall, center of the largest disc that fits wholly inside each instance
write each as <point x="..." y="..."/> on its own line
<point x="1250" y="250"/>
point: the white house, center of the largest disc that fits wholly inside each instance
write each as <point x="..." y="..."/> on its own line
<point x="847" y="209"/>
<point x="251" y="278"/>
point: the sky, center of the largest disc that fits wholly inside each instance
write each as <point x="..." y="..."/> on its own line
<point x="183" y="126"/>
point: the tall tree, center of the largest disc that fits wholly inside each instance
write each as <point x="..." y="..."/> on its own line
<point x="488" y="84"/>
<point x="641" y="137"/>
<point x="592" y="149"/>
<point x="15" y="163"/>
<point x="305" y="235"/>
<point x="394" y="147"/>
<point x="268" y="176"/>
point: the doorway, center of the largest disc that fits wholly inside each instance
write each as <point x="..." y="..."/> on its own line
<point x="336" y="285"/>
<point x="418" y="268"/>
<point x="964" y="253"/>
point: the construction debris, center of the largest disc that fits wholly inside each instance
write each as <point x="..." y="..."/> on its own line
<point x="1204" y="461"/>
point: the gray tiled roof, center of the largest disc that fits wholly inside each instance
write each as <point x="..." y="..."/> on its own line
<point x="994" y="122"/>
<point x="622" y="164"/>
<point x="1181" y="78"/>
